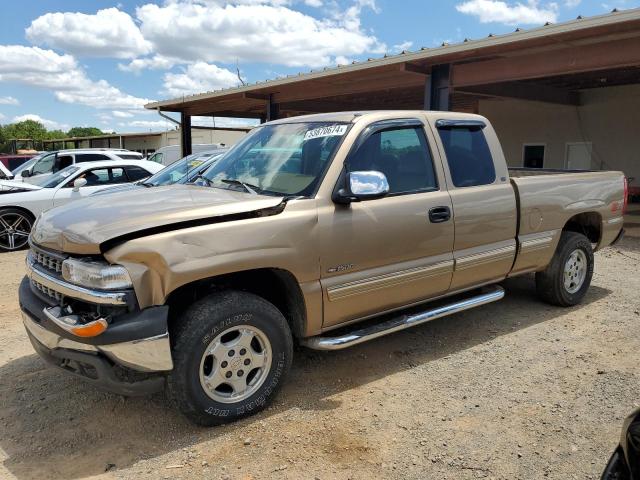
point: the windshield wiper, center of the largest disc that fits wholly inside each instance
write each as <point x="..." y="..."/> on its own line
<point x="252" y="189"/>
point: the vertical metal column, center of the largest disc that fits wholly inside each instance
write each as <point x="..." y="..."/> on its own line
<point x="273" y="109"/>
<point x="437" y="91"/>
<point x="185" y="134"/>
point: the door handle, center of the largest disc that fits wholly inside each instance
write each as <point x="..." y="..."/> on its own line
<point x="439" y="214"/>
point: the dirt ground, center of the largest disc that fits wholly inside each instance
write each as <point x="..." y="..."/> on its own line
<point x="516" y="389"/>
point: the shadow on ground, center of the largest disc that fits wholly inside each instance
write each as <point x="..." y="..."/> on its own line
<point x="55" y="426"/>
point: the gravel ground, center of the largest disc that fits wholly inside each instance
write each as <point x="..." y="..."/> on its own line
<point x="516" y="389"/>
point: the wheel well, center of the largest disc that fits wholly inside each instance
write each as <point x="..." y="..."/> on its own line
<point x="277" y="286"/>
<point x="22" y="209"/>
<point x="589" y="224"/>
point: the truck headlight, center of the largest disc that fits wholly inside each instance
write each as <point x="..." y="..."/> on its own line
<point x="98" y="275"/>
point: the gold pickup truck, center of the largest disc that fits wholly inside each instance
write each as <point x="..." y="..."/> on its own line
<point x="325" y="230"/>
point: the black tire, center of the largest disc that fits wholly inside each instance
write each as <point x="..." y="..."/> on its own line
<point x="199" y="326"/>
<point x="9" y="216"/>
<point x="550" y="283"/>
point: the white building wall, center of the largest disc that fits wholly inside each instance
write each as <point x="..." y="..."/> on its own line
<point x="608" y="118"/>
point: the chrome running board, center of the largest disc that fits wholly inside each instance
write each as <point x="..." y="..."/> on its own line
<point x="488" y="295"/>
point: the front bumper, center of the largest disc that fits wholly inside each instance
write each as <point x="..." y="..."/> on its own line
<point x="129" y="358"/>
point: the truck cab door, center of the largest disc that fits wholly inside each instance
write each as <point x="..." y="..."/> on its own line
<point x="384" y="254"/>
<point x="484" y="203"/>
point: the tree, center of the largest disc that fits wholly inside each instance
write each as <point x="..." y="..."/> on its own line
<point x="25" y="129"/>
<point x="84" y="132"/>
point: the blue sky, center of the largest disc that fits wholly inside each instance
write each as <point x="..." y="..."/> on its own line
<point x="78" y="63"/>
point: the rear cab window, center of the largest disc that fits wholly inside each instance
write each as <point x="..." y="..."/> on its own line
<point x="467" y="151"/>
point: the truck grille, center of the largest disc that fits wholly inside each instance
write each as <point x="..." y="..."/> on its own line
<point x="50" y="261"/>
<point x="46" y="290"/>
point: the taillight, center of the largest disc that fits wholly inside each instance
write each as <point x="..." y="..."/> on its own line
<point x="626" y="196"/>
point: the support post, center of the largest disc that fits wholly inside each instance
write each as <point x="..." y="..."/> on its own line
<point x="273" y="109"/>
<point x="185" y="134"/>
<point x="439" y="83"/>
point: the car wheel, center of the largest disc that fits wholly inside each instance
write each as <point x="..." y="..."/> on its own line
<point x="231" y="352"/>
<point x="566" y="279"/>
<point x="15" y="226"/>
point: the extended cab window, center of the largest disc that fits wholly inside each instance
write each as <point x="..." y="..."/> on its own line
<point x="468" y="155"/>
<point x="402" y="154"/>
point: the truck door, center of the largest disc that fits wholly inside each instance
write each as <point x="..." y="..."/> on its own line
<point x="484" y="203"/>
<point x="383" y="254"/>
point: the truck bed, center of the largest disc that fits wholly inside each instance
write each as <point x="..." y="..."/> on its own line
<point x="517" y="172"/>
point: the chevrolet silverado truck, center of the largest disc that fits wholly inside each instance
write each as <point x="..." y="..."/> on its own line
<point x="324" y="231"/>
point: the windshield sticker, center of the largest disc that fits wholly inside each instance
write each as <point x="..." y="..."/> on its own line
<point x="329" y="131"/>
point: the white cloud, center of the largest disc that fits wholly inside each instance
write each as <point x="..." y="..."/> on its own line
<point x="150" y="124"/>
<point x="107" y="33"/>
<point x="61" y="74"/>
<point x="402" y="46"/>
<point x="2" y="117"/>
<point x="9" y="101"/>
<point x="313" y="3"/>
<point x="252" y="31"/>
<point x="498" y="11"/>
<point x="49" y="124"/>
<point x="157" y="62"/>
<point x="197" y="78"/>
<point x="121" y="114"/>
<point x="572" y="3"/>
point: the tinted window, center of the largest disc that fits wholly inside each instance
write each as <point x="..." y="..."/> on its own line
<point x="156" y="157"/>
<point x="402" y="155"/>
<point x="136" y="173"/>
<point x="91" y="157"/>
<point x="102" y="176"/>
<point x="63" y="161"/>
<point x="130" y="156"/>
<point x="468" y="155"/>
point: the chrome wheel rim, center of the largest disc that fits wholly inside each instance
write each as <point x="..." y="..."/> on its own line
<point x="235" y="364"/>
<point x="575" y="271"/>
<point x="14" y="230"/>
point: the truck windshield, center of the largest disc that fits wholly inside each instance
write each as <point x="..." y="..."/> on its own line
<point x="287" y="159"/>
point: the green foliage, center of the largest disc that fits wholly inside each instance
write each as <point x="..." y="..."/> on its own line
<point x="84" y="132"/>
<point x="30" y="129"/>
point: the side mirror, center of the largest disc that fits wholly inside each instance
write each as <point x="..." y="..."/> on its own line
<point x="78" y="183"/>
<point x="25" y="173"/>
<point x="366" y="185"/>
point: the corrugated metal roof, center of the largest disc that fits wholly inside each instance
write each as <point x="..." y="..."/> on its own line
<point x="424" y="53"/>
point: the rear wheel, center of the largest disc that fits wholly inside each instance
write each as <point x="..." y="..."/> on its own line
<point x="231" y="353"/>
<point x="15" y="226"/>
<point x="567" y="278"/>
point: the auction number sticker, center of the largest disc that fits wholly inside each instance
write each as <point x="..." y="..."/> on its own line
<point x="328" y="131"/>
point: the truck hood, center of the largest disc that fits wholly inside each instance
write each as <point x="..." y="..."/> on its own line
<point x="81" y="227"/>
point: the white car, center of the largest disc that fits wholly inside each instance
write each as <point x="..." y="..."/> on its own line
<point x="52" y="162"/>
<point x="21" y="203"/>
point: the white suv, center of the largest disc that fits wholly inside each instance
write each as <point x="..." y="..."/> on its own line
<point x="56" y="161"/>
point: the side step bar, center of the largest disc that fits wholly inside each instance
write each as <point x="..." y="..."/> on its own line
<point x="489" y="294"/>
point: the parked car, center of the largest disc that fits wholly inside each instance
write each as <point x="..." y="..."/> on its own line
<point x="53" y="162"/>
<point x="5" y="173"/>
<point x="12" y="162"/>
<point x="625" y="461"/>
<point x="183" y="171"/>
<point x="21" y="203"/>
<point x="172" y="153"/>
<point x="306" y="227"/>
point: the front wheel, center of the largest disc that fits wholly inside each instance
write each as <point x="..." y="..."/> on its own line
<point x="232" y="351"/>
<point x="566" y="279"/>
<point x="15" y="226"/>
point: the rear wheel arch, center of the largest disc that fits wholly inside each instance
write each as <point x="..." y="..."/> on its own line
<point x="277" y="286"/>
<point x="588" y="224"/>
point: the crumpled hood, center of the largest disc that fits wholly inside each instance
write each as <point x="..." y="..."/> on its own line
<point x="80" y="227"/>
